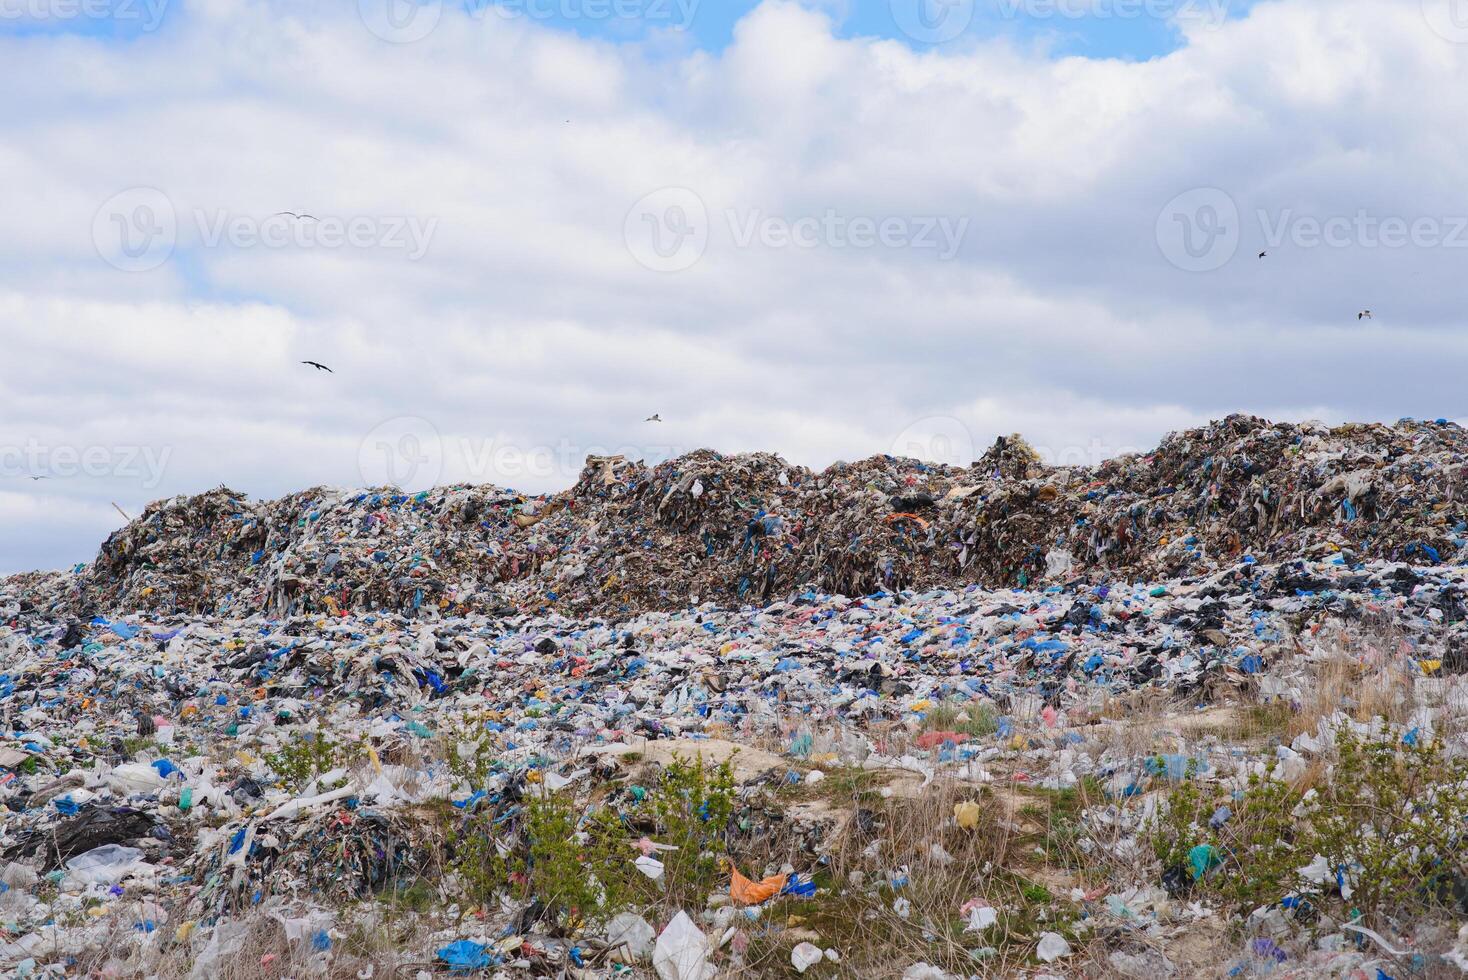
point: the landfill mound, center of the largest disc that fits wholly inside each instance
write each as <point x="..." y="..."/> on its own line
<point x="1199" y="712"/>
<point x="1074" y="781"/>
<point x="753" y="528"/>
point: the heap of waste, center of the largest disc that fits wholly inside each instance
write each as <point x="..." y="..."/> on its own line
<point x="737" y="529"/>
<point x="470" y="731"/>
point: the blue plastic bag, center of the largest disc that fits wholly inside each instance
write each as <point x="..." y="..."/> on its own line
<point x="466" y="955"/>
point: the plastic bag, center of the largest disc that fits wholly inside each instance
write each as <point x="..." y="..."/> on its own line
<point x="1052" y="947"/>
<point x="747" y="892"/>
<point x="804" y="956"/>
<point x="682" y="951"/>
<point x="633" y="932"/>
<point x="465" y="956"/>
<point x="107" y="864"/>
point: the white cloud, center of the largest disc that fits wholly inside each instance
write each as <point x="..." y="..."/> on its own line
<point x="527" y="323"/>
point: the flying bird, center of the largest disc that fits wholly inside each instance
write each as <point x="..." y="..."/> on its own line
<point x="1364" y="315"/>
<point x="1262" y="254"/>
<point x="298" y="217"/>
<point x="319" y="366"/>
<point x="653" y="418"/>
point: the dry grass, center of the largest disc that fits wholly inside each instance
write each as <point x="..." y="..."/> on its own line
<point x="859" y="825"/>
<point x="1372" y="671"/>
<point x="1002" y="861"/>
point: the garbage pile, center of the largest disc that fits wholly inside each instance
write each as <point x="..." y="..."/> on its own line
<point x="750" y="529"/>
<point x="181" y="771"/>
<point x="452" y="732"/>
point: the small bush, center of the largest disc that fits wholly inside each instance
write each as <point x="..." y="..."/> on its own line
<point x="475" y="855"/>
<point x="1388" y="819"/>
<point x="579" y="863"/>
<point x="562" y="868"/>
<point x="691" y="806"/>
<point x="305" y="757"/>
<point x="1255" y="844"/>
<point x="471" y="756"/>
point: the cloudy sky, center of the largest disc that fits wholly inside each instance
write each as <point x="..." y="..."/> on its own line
<point x="823" y="228"/>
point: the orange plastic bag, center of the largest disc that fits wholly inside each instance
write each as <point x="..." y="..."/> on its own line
<point x="746" y="892"/>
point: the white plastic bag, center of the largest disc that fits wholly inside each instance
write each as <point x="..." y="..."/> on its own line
<point x="107" y="864"/>
<point x="133" y="778"/>
<point x="682" y="951"/>
<point x="632" y="931"/>
<point x="805" y="956"/>
<point x="1052" y="947"/>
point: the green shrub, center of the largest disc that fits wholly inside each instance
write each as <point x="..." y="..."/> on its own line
<point x="1254" y="845"/>
<point x="579" y="863"/>
<point x="305" y="757"/>
<point x="1396" y="812"/>
<point x="475" y="766"/>
<point x="474" y="854"/>
<point x="562" y="868"/>
<point x="1389" y="817"/>
<point x="692" y="805"/>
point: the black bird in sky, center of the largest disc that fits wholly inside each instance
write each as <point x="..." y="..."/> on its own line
<point x="320" y="367"/>
<point x="653" y="418"/>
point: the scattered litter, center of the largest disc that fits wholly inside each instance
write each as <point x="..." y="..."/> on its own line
<point x="250" y="707"/>
<point x="1052" y="947"/>
<point x="804" y="956"/>
<point x="682" y="951"/>
<point x="632" y="931"/>
<point x="466" y="956"/>
<point x="746" y="892"/>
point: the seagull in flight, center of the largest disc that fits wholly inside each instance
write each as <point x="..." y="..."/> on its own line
<point x="298" y="217"/>
<point x="1364" y="315"/>
<point x="653" y="418"/>
<point x="319" y="366"/>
